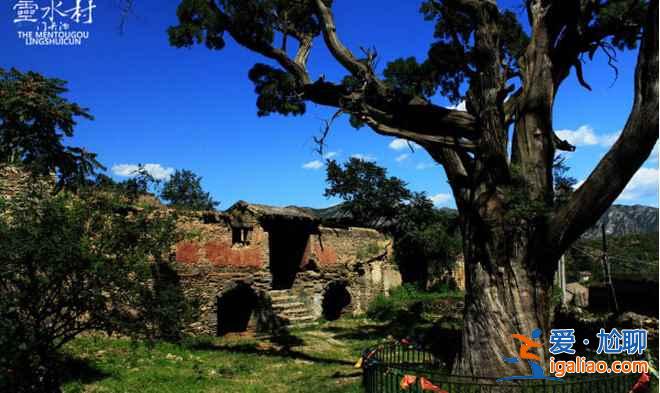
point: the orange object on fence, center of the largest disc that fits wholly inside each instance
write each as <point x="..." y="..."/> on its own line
<point x="425" y="384"/>
<point x="642" y="384"/>
<point x="407" y="381"/>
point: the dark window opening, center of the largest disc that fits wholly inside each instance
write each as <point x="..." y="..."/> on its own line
<point x="287" y="243"/>
<point x="235" y="309"/>
<point x="240" y="236"/>
<point x="335" y="300"/>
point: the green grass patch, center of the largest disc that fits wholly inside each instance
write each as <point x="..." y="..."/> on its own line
<point x="406" y="297"/>
<point x="312" y="360"/>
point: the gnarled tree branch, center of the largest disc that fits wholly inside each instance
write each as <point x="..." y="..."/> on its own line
<point x="626" y="156"/>
<point x="340" y="52"/>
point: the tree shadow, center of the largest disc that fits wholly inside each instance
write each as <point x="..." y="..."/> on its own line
<point x="76" y="369"/>
<point x="279" y="345"/>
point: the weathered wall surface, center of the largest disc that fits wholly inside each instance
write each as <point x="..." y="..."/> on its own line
<point x="210" y="263"/>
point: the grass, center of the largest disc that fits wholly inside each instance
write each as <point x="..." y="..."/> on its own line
<point x="319" y="361"/>
<point x="407" y="297"/>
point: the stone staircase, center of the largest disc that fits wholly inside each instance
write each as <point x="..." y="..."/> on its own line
<point x="289" y="308"/>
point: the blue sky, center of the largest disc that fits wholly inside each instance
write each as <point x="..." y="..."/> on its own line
<point x="195" y="108"/>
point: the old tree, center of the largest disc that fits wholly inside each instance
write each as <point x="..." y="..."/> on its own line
<point x="508" y="72"/>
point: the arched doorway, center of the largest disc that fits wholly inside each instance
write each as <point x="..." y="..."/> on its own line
<point x="235" y="308"/>
<point x="335" y="299"/>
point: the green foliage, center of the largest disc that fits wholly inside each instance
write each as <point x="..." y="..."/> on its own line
<point x="34" y="120"/>
<point x="452" y="58"/>
<point x="276" y="91"/>
<point x="371" y="196"/>
<point x="522" y="212"/>
<point x="254" y="24"/>
<point x="632" y="256"/>
<point x="563" y="183"/>
<point x="130" y="189"/>
<point x="73" y="264"/>
<point x="409" y="77"/>
<point x="424" y="238"/>
<point x="403" y="298"/>
<point x="184" y="191"/>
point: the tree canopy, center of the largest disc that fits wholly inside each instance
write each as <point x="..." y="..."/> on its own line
<point x="35" y="119"/>
<point x="184" y="190"/>
<point x="371" y="197"/>
<point x="425" y="240"/>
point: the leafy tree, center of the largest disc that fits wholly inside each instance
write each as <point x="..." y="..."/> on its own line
<point x="74" y="264"/>
<point x="372" y="198"/>
<point x="184" y="190"/>
<point x="422" y="235"/>
<point x="34" y="120"/>
<point x="140" y="184"/>
<point x="508" y="76"/>
<point x="426" y="244"/>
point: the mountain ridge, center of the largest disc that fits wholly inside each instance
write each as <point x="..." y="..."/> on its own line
<point x="619" y="220"/>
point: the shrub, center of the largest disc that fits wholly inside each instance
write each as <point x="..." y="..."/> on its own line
<point x="404" y="298"/>
<point x="72" y="264"/>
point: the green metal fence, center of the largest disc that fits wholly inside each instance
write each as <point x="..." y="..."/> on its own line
<point x="386" y="364"/>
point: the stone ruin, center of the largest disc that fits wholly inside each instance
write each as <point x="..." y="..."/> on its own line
<point x="261" y="268"/>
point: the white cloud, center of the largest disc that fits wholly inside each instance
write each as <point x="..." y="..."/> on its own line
<point x="314" y="165"/>
<point x="459" y="107"/>
<point x="330" y="154"/>
<point x="584" y="135"/>
<point x="364" y="157"/>
<point x="643" y="184"/>
<point x="608" y="140"/>
<point x="155" y="170"/>
<point x="400" y="144"/>
<point x="440" y="199"/>
<point x="424" y="165"/>
<point x="402" y="157"/>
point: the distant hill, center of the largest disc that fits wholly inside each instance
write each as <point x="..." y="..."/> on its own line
<point x="619" y="220"/>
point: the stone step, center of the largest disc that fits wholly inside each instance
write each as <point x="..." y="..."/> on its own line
<point x="294" y="313"/>
<point x="285" y="305"/>
<point x="278" y="292"/>
<point x="282" y="300"/>
<point x="276" y="297"/>
<point x="298" y="320"/>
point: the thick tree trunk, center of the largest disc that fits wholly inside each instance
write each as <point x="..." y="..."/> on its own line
<point x="503" y="297"/>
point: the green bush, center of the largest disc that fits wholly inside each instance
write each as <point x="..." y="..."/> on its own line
<point x="403" y="299"/>
<point x="72" y="264"/>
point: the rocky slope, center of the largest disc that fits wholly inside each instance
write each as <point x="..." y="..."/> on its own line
<point x="625" y="220"/>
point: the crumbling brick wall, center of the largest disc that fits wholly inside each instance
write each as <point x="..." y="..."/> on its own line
<point x="209" y="263"/>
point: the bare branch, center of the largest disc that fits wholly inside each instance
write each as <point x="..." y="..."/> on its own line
<point x="340" y="51"/>
<point x="320" y="140"/>
<point x="296" y="68"/>
<point x="580" y="75"/>
<point x="384" y="129"/>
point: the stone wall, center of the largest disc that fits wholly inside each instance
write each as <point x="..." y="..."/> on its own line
<point x="211" y="263"/>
